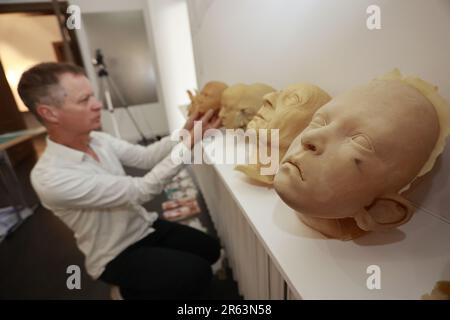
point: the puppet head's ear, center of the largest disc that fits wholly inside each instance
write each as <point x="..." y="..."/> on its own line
<point x="384" y="213"/>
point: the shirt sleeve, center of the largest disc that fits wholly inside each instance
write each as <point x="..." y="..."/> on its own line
<point x="134" y="155"/>
<point x="70" y="189"/>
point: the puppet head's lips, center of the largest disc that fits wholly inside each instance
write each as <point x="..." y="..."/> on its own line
<point x="296" y="165"/>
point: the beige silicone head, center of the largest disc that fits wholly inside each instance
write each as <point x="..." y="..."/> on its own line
<point x="441" y="291"/>
<point x="288" y="110"/>
<point x="208" y="98"/>
<point x="442" y="109"/>
<point x="359" y="151"/>
<point x="240" y="103"/>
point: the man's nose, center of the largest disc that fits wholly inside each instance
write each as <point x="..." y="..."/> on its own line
<point x="314" y="141"/>
<point x="97" y="105"/>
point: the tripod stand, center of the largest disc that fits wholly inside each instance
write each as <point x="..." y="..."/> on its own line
<point x="107" y="84"/>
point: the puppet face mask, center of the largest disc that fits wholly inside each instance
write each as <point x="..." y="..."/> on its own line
<point x="290" y="111"/>
<point x="208" y="98"/>
<point x="240" y="103"/>
<point x="357" y="153"/>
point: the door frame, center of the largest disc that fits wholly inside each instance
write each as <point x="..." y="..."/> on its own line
<point x="46" y="8"/>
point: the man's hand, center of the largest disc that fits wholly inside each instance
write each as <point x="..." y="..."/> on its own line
<point x="209" y="120"/>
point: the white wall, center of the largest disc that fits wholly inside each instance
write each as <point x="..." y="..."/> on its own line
<point x="168" y="28"/>
<point x="324" y="41"/>
<point x="151" y="117"/>
<point x="170" y="22"/>
<point x="327" y="42"/>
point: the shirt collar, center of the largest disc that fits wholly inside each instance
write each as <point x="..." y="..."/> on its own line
<point x="62" y="151"/>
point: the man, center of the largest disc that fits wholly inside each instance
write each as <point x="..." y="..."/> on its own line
<point x="81" y="179"/>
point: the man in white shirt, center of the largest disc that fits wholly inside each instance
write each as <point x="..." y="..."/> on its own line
<point x="81" y="179"/>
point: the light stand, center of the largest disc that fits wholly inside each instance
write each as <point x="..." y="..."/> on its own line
<point x="107" y="84"/>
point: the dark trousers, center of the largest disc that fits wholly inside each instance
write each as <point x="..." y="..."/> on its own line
<point x="173" y="262"/>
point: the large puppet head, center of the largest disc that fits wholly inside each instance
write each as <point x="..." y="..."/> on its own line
<point x="208" y="98"/>
<point x="240" y="103"/>
<point x="288" y="110"/>
<point x="359" y="152"/>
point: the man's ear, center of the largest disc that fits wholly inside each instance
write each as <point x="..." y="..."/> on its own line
<point x="48" y="113"/>
<point x="384" y="213"/>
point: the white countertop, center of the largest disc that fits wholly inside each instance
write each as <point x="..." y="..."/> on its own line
<point x="412" y="258"/>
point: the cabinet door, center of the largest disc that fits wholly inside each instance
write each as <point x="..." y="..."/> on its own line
<point x="11" y="120"/>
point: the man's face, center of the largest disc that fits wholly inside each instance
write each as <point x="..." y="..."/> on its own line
<point x="80" y="112"/>
<point x="359" y="146"/>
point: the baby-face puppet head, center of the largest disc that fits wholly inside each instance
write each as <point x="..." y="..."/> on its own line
<point x="361" y="150"/>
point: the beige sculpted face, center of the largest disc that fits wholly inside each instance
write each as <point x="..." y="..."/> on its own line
<point x="241" y="102"/>
<point x="208" y="98"/>
<point x="288" y="110"/>
<point x="357" y="153"/>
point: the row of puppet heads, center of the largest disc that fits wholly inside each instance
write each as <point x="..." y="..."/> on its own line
<point x="236" y="105"/>
<point x="344" y="161"/>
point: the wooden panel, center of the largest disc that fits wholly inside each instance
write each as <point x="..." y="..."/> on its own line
<point x="11" y="120"/>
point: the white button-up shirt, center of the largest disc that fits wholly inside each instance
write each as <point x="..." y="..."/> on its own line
<point x="97" y="200"/>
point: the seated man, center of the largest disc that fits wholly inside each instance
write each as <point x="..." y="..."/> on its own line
<point x="81" y="179"/>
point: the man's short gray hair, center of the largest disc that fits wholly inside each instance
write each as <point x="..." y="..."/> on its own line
<point x="40" y="84"/>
